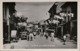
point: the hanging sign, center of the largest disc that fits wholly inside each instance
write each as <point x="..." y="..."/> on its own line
<point x="63" y="14"/>
<point x="71" y="14"/>
<point x="58" y="17"/>
<point x="55" y="21"/>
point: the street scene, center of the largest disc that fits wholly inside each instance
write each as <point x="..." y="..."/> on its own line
<point x="40" y="25"/>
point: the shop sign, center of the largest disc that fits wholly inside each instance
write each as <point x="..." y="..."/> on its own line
<point x="55" y="21"/>
<point x="58" y="17"/>
<point x="71" y="14"/>
<point x="65" y="14"/>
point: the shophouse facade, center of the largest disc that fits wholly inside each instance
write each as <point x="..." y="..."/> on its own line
<point x="8" y="10"/>
<point x="66" y="14"/>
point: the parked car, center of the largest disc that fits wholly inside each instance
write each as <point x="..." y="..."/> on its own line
<point x="23" y="35"/>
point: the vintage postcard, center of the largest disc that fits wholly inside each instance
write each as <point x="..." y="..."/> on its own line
<point x="40" y="25"/>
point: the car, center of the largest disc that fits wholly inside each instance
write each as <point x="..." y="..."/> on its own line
<point x="23" y="35"/>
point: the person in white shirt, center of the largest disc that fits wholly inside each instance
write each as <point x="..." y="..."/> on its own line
<point x="31" y="36"/>
<point x="64" y="39"/>
<point x="46" y="34"/>
<point x="52" y="36"/>
<point x="34" y="33"/>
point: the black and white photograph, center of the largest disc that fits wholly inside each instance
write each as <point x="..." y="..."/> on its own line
<point x="40" y="25"/>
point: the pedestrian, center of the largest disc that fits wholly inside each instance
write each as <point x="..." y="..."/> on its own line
<point x="46" y="35"/>
<point x="27" y="35"/>
<point x="34" y="33"/>
<point x="31" y="36"/>
<point x="52" y="36"/>
<point x="64" y="39"/>
<point x="12" y="47"/>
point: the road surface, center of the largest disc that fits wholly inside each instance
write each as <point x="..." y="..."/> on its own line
<point x="41" y="42"/>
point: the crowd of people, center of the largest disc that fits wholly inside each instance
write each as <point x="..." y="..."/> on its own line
<point x="31" y="31"/>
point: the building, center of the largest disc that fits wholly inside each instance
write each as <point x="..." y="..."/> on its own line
<point x="8" y="10"/>
<point x="70" y="9"/>
<point x="66" y="14"/>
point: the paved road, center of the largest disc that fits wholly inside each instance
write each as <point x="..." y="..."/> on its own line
<point x="40" y="42"/>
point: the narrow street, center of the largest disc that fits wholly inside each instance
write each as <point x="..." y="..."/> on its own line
<point x="40" y="42"/>
<point x="56" y="21"/>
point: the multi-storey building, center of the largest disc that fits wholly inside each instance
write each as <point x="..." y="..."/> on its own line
<point x="8" y="10"/>
<point x="65" y="13"/>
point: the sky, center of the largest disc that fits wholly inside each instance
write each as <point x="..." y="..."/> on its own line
<point x="34" y="11"/>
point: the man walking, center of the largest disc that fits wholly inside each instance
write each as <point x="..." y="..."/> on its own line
<point x="46" y="35"/>
<point x="52" y="36"/>
<point x="64" y="39"/>
<point x="31" y="36"/>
